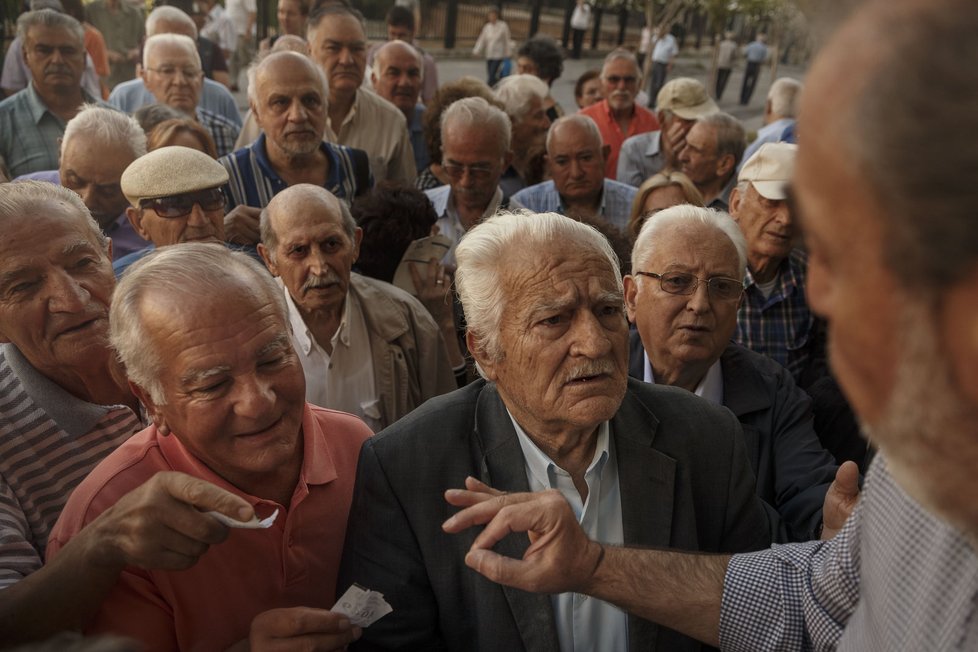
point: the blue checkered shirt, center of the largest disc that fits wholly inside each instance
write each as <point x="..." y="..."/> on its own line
<point x="223" y="131"/>
<point x="782" y="327"/>
<point x="616" y="201"/>
<point x="895" y="578"/>
<point x="253" y="182"/>
<point x="29" y="133"/>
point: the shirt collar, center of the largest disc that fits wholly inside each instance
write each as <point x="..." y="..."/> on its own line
<point x="655" y="143"/>
<point x="541" y="467"/>
<point x="300" y="331"/>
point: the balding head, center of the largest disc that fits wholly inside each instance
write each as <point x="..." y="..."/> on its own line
<point x="170" y="20"/>
<point x="397" y="75"/>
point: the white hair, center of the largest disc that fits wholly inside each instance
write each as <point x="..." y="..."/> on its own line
<point x="189" y="269"/>
<point x="375" y="67"/>
<point x="487" y="249"/>
<point x="263" y="62"/>
<point x="583" y="121"/>
<point x="20" y="199"/>
<point x="687" y="214"/>
<point x="178" y="40"/>
<point x="108" y="126"/>
<point x="477" y="112"/>
<point x="516" y="91"/>
<point x="783" y="95"/>
<point x="170" y="14"/>
<point x="51" y="19"/>
<point x="619" y="53"/>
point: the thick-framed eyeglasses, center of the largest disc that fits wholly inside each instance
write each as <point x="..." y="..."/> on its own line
<point x="180" y="205"/>
<point x="721" y="288"/>
<point x="169" y="72"/>
<point x="478" y="171"/>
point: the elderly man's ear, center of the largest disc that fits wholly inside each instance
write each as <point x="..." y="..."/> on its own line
<point x="478" y="352"/>
<point x="152" y="409"/>
<point x="631" y="293"/>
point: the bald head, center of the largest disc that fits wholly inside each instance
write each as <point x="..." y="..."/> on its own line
<point x="291" y="43"/>
<point x="302" y="200"/>
<point x="397" y="74"/>
<point x="279" y="62"/>
<point x="574" y="128"/>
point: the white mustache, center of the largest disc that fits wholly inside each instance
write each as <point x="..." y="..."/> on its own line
<point x="320" y="281"/>
<point x="593" y="368"/>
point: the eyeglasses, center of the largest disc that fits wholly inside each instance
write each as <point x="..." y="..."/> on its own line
<point x="614" y="80"/>
<point x="719" y="287"/>
<point x="180" y="205"/>
<point x="169" y="72"/>
<point x="479" y="170"/>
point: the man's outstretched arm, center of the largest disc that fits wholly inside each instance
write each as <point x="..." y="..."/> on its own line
<point x="681" y="591"/>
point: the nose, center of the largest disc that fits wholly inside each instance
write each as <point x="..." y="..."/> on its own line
<point x="87" y="194"/>
<point x="297" y="111"/>
<point x="782" y="214"/>
<point x="317" y="261"/>
<point x="346" y="56"/>
<point x="197" y="216"/>
<point x="590" y="337"/>
<point x="255" y="397"/>
<point x="699" y="300"/>
<point x="66" y="294"/>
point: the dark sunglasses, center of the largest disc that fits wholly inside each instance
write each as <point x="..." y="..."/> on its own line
<point x="180" y="205"/>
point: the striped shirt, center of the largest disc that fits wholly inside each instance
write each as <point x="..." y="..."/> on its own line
<point x="223" y="131"/>
<point x="253" y="182"/>
<point x="49" y="441"/>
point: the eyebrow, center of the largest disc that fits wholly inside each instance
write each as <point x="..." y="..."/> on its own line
<point x="72" y="248"/>
<point x="197" y="376"/>
<point x="280" y="343"/>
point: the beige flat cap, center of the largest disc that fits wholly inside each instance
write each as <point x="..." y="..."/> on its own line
<point x="687" y="98"/>
<point x="171" y="171"/>
<point x="770" y="169"/>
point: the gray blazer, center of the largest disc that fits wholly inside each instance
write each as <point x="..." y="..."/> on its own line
<point x="685" y="483"/>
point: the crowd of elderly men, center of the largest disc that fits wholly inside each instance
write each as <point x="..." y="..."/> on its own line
<point x="592" y="335"/>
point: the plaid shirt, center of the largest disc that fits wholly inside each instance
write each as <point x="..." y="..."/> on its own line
<point x="895" y="578"/>
<point x="781" y="326"/>
<point x="223" y="131"/>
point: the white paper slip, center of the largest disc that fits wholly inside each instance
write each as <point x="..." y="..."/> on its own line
<point x="362" y="606"/>
<point x="253" y="524"/>
<point x="419" y="252"/>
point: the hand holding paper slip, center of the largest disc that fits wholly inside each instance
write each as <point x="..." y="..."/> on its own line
<point x="362" y="606"/>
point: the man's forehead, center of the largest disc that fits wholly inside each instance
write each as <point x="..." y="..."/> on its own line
<point x="688" y="246"/>
<point x="340" y="28"/>
<point x="170" y="53"/>
<point x="45" y="34"/>
<point x="549" y="273"/>
<point x="570" y="138"/>
<point x="619" y="67"/>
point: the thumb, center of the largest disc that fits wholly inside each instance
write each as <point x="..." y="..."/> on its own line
<point x="847" y="478"/>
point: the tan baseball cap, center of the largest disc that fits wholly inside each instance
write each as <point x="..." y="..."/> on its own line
<point x="171" y="171"/>
<point x="687" y="98"/>
<point x="770" y="169"/>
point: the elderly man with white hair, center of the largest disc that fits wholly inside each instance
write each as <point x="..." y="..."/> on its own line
<point x="682" y="295"/>
<point x="577" y="185"/>
<point x="642" y="464"/>
<point x="171" y="71"/>
<point x="98" y="145"/>
<point x="780" y="112"/>
<point x="523" y="98"/>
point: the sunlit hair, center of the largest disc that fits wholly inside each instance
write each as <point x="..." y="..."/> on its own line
<point x="448" y="94"/>
<point x="731" y="137"/>
<point x="21" y="199"/>
<point x="517" y="91"/>
<point x="476" y="112"/>
<point x="620" y="53"/>
<point x="192" y="269"/>
<point x="170" y="14"/>
<point x="783" y="96"/>
<point x="492" y="246"/>
<point x="683" y="215"/>
<point x="663" y="179"/>
<point x="181" y="41"/>
<point x="165" y="134"/>
<point x="51" y="19"/>
<point x="108" y="126"/>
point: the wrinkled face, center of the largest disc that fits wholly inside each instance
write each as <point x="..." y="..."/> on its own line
<point x="531" y="130"/>
<point x="233" y="386"/>
<point x="55" y="286"/>
<point x="201" y="224"/>
<point x="619" y="78"/>
<point x="527" y="66"/>
<point x="766" y="223"/>
<point x="474" y="159"/>
<point x="174" y="77"/>
<point x="564" y="341"/>
<point x="339" y="45"/>
<point x="678" y="330"/>
<point x="314" y="254"/>
<point x="591" y="92"/>
<point x="291" y="20"/>
<point x="55" y="57"/>
<point x="576" y="163"/>
<point x="92" y="168"/>
<point x="699" y="158"/>
<point x="400" y="77"/>
<point x="290" y="108"/>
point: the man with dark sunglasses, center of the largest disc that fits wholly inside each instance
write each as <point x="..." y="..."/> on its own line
<point x="683" y="294"/>
<point x="176" y="197"/>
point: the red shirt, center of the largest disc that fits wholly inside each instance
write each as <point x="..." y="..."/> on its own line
<point x="642" y="121"/>
<point x="211" y="605"/>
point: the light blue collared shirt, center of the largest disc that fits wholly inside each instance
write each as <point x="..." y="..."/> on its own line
<point x="710" y="388"/>
<point x="616" y="201"/>
<point x="585" y="623"/>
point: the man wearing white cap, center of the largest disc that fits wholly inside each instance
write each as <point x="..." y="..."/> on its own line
<point x="679" y="104"/>
<point x="175" y="196"/>
<point x="774" y="318"/>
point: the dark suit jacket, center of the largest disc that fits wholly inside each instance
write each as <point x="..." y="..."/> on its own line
<point x="793" y="469"/>
<point x="685" y="483"/>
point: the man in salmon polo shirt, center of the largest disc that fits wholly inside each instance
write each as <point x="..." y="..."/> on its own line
<point x="203" y="333"/>
<point x="617" y="115"/>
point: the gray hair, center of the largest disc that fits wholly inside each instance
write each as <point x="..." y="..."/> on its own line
<point x="783" y="95"/>
<point x="687" y="214"/>
<point x="171" y="14"/>
<point x="107" y="126"/>
<point x="192" y="269"/>
<point x="923" y="179"/>
<point x="731" y="137"/>
<point x="619" y="53"/>
<point x="516" y="92"/>
<point x="268" y="236"/>
<point x="333" y="9"/>
<point x="476" y="112"/>
<point x="375" y="67"/>
<point x="264" y="61"/>
<point x="487" y="249"/>
<point x="51" y="19"/>
<point x="583" y="121"/>
<point x="178" y="40"/>
<point x="23" y="198"/>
